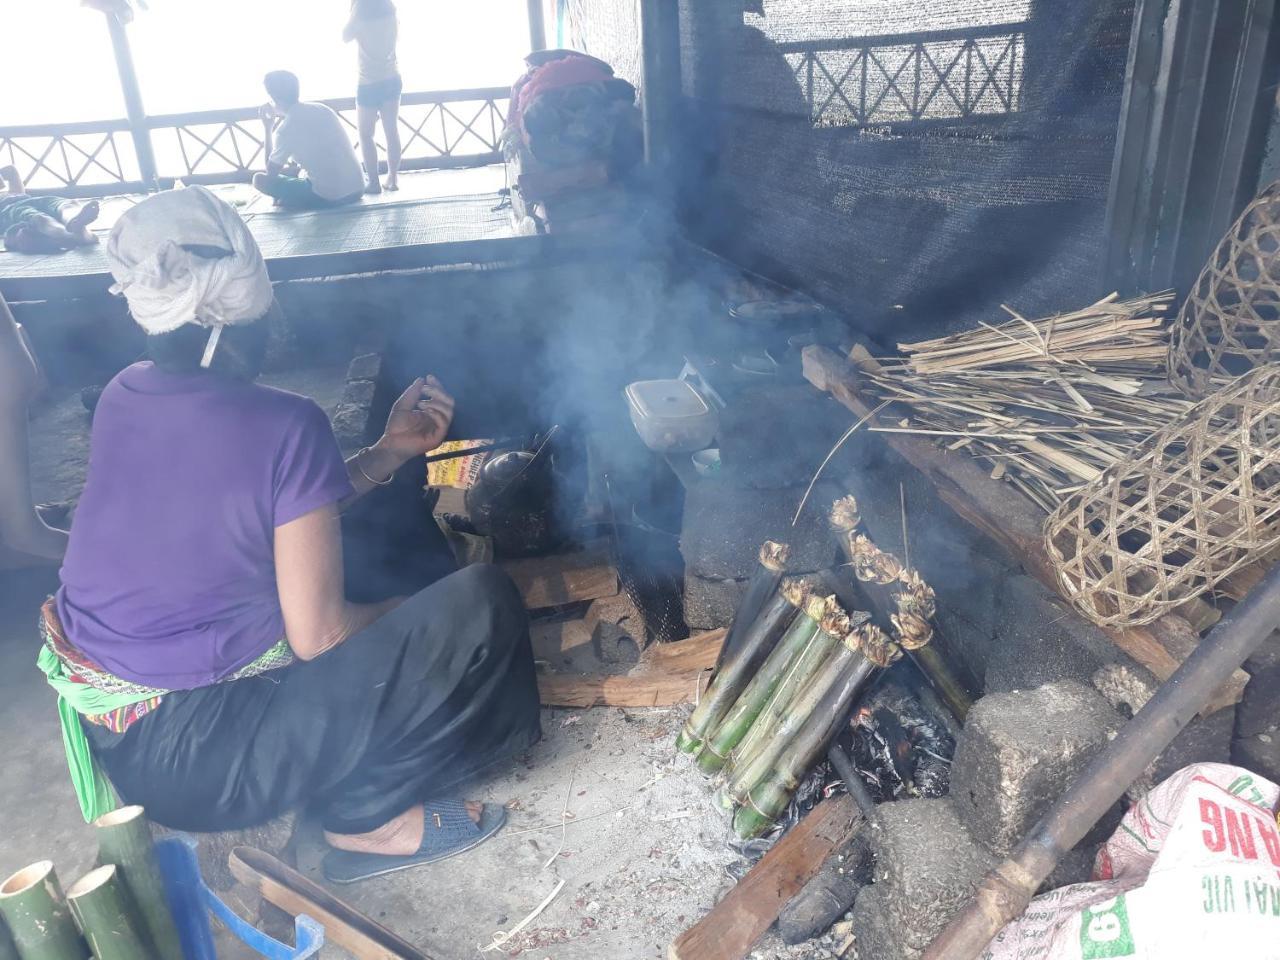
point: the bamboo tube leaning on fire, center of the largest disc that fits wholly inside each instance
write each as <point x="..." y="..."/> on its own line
<point x="108" y="917"/>
<point x="738" y="720"/>
<point x="124" y="839"/>
<point x="829" y="615"/>
<point x="735" y="673"/>
<point x="38" y="917"/>
<point x="752" y="768"/>
<point x="762" y="585"/>
<point x="863" y="651"/>
<point x="876" y="574"/>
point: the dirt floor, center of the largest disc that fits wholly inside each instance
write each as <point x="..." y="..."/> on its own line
<point x="602" y="815"/>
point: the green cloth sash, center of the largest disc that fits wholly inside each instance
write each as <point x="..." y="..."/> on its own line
<point x="92" y="787"/>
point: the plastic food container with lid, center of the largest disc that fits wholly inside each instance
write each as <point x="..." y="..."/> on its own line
<point x="671" y="416"/>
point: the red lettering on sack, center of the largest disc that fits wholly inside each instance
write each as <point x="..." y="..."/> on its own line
<point x="1211" y="815"/>
<point x="1240" y="833"/>
<point x="1270" y="839"/>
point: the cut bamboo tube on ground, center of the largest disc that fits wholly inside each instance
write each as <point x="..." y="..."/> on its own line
<point x="108" y="917"/>
<point x="124" y="839"/>
<point x="734" y="673"/>
<point x="994" y="508"/>
<point x="38" y="916"/>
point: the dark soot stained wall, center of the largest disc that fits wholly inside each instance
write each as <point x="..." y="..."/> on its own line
<point x="907" y="226"/>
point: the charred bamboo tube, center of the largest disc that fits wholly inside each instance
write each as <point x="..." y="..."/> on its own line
<point x="738" y="720"/>
<point x="38" y="917"/>
<point x="799" y="676"/>
<point x="911" y="610"/>
<point x="124" y="839"/>
<point x="1005" y="892"/>
<point x="755" y="767"/>
<point x="848" y="673"/>
<point x="762" y="585"/>
<point x="108" y="917"/>
<point x="736" y="672"/>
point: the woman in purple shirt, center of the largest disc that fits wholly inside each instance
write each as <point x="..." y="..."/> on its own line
<point x="205" y="579"/>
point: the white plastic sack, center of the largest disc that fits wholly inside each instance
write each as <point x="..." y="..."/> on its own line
<point x="1192" y="872"/>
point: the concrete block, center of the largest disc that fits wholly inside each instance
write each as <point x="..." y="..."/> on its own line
<point x="929" y="864"/>
<point x="1018" y="751"/>
<point x="774" y="436"/>
<point x="352" y="419"/>
<point x="367" y="366"/>
<point x="876" y="936"/>
<point x="710" y="604"/>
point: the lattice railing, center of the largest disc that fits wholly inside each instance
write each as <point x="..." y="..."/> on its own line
<point x="436" y="129"/>
<point x="938" y="75"/>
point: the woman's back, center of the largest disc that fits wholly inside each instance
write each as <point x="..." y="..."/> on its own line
<point x="169" y="579"/>
<point x="376" y="41"/>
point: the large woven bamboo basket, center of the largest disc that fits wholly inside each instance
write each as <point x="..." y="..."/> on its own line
<point x="1231" y="321"/>
<point x="1199" y="500"/>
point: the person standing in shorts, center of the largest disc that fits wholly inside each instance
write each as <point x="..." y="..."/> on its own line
<point x="373" y="27"/>
<point x="308" y="138"/>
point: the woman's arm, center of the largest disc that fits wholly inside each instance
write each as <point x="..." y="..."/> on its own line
<point x="349" y="31"/>
<point x="418" y="423"/>
<point x="309" y="580"/>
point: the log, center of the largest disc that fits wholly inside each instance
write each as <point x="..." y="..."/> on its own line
<point x="38" y="917"/>
<point x="108" y="917"/>
<point x="668" y="674"/>
<point x="364" y="937"/>
<point x="556" y="580"/>
<point x="995" y="508"/>
<point x="124" y="839"/>
<point x="733" y="926"/>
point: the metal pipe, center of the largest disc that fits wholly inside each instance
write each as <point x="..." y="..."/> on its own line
<point x="1007" y="890"/>
<point x="660" y="78"/>
<point x="132" y="99"/>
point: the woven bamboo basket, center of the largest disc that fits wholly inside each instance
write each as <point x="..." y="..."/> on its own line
<point x="1230" y="323"/>
<point x="1199" y="500"/>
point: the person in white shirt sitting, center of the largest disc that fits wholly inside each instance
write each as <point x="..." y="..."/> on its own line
<point x="306" y="138"/>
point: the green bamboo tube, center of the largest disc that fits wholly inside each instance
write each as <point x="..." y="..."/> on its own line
<point x="763" y="584"/>
<point x="747" y="707"/>
<point x="8" y="949"/>
<point x="37" y="915"/>
<point x="769" y="798"/>
<point x="736" y="672"/>
<point x="108" y="917"/>
<point x="802" y="671"/>
<point x="124" y="839"/>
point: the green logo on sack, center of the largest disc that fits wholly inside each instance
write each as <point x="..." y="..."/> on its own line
<point x="1104" y="931"/>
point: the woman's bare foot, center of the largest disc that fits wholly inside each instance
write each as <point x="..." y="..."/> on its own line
<point x="372" y="188"/>
<point x="391" y="184"/>
<point x="78" y="226"/>
<point x="400" y="837"/>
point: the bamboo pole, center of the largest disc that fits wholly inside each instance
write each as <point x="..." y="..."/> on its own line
<point x="124" y="839"/>
<point x="108" y="917"/>
<point x="736" y="672"/>
<point x="761" y="586"/>
<point x="37" y="915"/>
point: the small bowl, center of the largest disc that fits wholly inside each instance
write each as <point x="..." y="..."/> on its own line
<point x="707" y="462"/>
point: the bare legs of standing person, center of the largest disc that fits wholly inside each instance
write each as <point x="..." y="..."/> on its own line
<point x="367" y="124"/>
<point x="23" y="535"/>
<point x="390" y="113"/>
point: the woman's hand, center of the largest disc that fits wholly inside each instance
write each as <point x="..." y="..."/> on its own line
<point x="419" y="420"/>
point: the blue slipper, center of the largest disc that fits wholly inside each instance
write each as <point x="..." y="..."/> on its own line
<point x="447" y="831"/>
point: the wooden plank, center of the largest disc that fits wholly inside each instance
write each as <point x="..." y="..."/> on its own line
<point x="553" y="581"/>
<point x="343" y="924"/>
<point x="732" y="927"/>
<point x="668" y="674"/>
<point x="997" y="510"/>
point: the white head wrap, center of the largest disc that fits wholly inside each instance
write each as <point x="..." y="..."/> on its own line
<point x="167" y="286"/>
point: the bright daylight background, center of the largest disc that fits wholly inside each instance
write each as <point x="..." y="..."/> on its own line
<point x="208" y="54"/>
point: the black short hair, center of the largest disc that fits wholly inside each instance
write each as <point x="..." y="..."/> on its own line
<point x="282" y="86"/>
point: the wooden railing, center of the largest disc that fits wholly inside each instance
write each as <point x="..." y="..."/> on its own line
<point x="437" y="129"/>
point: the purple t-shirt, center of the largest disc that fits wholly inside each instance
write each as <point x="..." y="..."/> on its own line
<point x="169" y="578"/>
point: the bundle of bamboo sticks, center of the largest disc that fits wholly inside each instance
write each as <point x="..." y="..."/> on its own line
<point x="784" y="692"/>
<point x="1050" y="403"/>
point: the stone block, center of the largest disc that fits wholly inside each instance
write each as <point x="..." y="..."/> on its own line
<point x="928" y="863"/>
<point x="367" y="366"/>
<point x="352" y="419"/>
<point x="876" y="936"/>
<point x="774" y="436"/>
<point x="1017" y="753"/>
<point x="710" y="604"/>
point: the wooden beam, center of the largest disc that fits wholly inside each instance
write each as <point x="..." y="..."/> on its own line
<point x="734" y="925"/>
<point x="1000" y="512"/>
<point x="668" y="674"/>
<point x="564" y="578"/>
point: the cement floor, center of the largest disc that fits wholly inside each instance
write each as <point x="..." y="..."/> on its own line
<point x="600" y="804"/>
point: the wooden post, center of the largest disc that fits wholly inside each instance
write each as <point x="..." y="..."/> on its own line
<point x="108" y="917"/>
<point x="660" y="86"/>
<point x="33" y="907"/>
<point x="124" y="839"/>
<point x="133" y="100"/>
<point x="537" y="26"/>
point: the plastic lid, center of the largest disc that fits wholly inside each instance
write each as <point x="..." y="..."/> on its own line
<point x="666" y="399"/>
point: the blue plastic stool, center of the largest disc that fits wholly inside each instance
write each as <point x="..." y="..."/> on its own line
<point x="192" y="901"/>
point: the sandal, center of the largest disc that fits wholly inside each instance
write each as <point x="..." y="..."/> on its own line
<point x="448" y="830"/>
